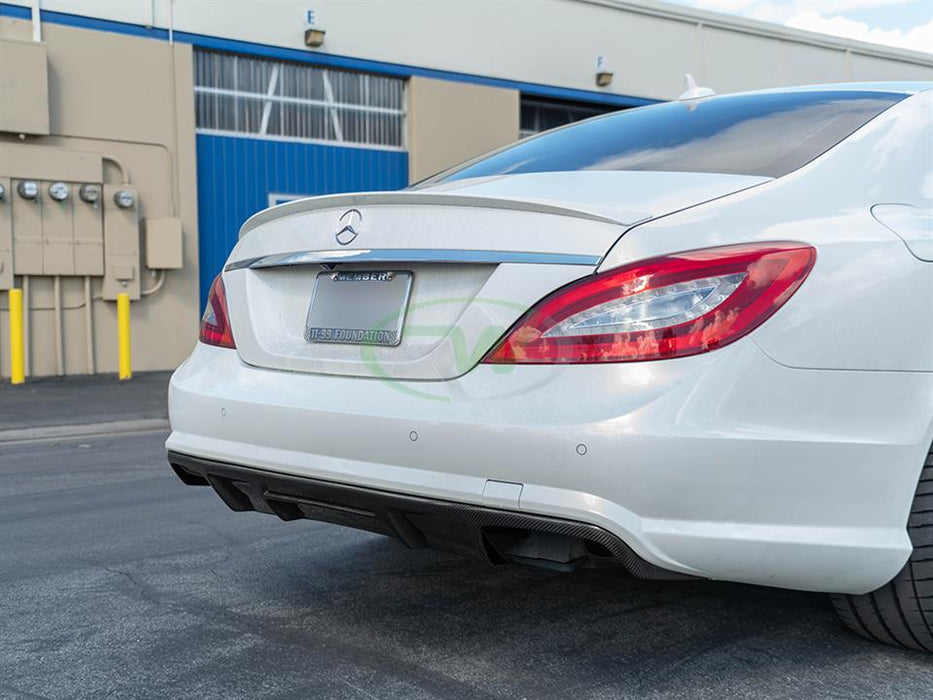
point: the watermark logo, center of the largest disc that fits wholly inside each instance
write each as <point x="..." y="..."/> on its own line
<point x="465" y="349"/>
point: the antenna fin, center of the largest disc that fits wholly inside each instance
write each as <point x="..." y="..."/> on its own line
<point x="692" y="91"/>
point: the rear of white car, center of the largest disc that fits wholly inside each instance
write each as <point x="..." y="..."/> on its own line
<point x="723" y="374"/>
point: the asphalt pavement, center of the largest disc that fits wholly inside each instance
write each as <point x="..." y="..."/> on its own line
<point x="118" y="581"/>
<point x="54" y="402"/>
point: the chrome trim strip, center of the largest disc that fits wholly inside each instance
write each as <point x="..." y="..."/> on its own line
<point x="411" y="255"/>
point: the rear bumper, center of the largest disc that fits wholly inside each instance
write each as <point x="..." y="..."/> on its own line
<point x="725" y="465"/>
<point x="417" y="522"/>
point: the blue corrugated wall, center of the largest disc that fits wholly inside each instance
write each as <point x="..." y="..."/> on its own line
<point x="237" y="175"/>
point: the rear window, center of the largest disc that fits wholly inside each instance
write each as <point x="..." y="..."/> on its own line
<point x="758" y="134"/>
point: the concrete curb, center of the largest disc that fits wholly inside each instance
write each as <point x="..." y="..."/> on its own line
<point x="51" y="432"/>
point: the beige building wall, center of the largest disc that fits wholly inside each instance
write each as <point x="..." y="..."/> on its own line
<point x="130" y="99"/>
<point x="649" y="45"/>
<point x="450" y="122"/>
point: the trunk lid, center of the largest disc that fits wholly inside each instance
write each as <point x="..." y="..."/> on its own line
<point x="479" y="253"/>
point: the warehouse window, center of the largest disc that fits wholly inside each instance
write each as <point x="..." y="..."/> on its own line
<point x="539" y="115"/>
<point x="273" y="99"/>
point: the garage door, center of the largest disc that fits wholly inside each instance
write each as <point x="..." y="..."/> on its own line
<point x="270" y="131"/>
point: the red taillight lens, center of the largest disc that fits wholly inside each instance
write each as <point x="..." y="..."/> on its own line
<point x="215" y="324"/>
<point x="672" y="306"/>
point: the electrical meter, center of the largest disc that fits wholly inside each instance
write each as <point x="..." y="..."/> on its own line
<point x="28" y="189"/>
<point x="89" y="193"/>
<point x="59" y="191"/>
<point x="124" y="199"/>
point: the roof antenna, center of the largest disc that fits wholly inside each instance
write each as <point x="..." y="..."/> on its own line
<point x="692" y="92"/>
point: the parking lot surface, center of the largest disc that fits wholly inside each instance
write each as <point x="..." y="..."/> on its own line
<point x="117" y="580"/>
<point x="78" y="400"/>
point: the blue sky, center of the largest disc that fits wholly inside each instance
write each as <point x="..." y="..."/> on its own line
<point x="906" y="24"/>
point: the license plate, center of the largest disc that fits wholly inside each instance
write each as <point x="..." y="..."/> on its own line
<point x="361" y="308"/>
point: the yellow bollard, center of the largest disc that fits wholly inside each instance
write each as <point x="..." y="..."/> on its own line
<point x="17" y="347"/>
<point x="123" y="332"/>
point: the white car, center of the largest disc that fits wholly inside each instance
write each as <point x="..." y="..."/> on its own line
<point x="694" y="339"/>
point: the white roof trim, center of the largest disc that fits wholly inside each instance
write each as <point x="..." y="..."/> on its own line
<point x="762" y="29"/>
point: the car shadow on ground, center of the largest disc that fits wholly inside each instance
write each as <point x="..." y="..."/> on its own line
<point x="247" y="606"/>
<point x="528" y="632"/>
<point x="116" y="580"/>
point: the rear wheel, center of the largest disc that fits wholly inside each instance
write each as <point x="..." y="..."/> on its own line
<point x="901" y="611"/>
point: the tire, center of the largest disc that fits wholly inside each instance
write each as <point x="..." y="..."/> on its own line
<point x="901" y="611"/>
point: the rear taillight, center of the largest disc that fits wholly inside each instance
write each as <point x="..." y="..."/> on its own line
<point x="672" y="306"/>
<point x="215" y="324"/>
